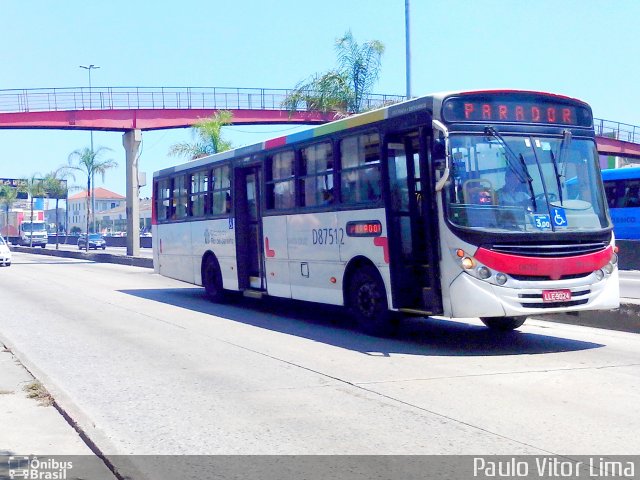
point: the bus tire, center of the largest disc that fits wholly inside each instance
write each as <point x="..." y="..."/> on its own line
<point x="212" y="279"/>
<point x="504" y="324"/>
<point x="368" y="303"/>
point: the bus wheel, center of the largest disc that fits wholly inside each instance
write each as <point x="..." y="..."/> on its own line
<point x="212" y="279"/>
<point x="368" y="303"/>
<point x="504" y="324"/>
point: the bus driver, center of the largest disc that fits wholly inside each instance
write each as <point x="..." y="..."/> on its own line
<point x="514" y="191"/>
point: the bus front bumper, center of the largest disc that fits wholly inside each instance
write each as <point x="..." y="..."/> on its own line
<point x="471" y="297"/>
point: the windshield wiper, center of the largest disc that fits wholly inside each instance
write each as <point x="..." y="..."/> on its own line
<point x="558" y="175"/>
<point x="564" y="145"/>
<point x="516" y="163"/>
<point x="529" y="182"/>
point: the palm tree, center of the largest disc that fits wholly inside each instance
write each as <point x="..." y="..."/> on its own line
<point x="361" y="65"/>
<point x="209" y="137"/>
<point x="56" y="187"/>
<point x="8" y="196"/>
<point x="34" y="186"/>
<point x="345" y="88"/>
<point x="89" y="162"/>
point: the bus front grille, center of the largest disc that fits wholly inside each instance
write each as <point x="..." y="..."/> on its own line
<point x="548" y="250"/>
<point x="533" y="278"/>
<point x="573" y="303"/>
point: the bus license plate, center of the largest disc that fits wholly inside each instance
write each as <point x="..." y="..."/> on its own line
<point x="556" y="295"/>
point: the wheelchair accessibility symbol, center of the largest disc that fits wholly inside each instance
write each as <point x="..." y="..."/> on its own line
<point x="559" y="217"/>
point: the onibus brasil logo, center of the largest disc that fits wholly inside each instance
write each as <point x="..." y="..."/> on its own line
<point x="35" y="468"/>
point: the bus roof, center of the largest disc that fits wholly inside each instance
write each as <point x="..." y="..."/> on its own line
<point x="621" y="173"/>
<point x="424" y="103"/>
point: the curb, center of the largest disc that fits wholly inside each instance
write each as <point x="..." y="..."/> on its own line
<point x="624" y="319"/>
<point x="94" y="257"/>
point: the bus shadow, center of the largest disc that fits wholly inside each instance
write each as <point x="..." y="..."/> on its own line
<point x="332" y="326"/>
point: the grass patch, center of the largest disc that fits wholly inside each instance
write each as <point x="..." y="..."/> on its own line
<point x="38" y="392"/>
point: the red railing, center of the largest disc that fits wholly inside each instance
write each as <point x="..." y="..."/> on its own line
<point x="127" y="98"/>
<point x="617" y="130"/>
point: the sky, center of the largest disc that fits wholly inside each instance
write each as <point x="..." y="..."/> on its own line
<point x="585" y="49"/>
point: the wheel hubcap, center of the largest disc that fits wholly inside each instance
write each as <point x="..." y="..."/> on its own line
<point x="367" y="299"/>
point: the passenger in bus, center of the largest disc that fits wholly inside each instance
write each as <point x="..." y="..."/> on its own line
<point x="327" y="196"/>
<point x="227" y="202"/>
<point x="484" y="197"/>
<point x="370" y="184"/>
<point x="632" y="198"/>
<point x="514" y="192"/>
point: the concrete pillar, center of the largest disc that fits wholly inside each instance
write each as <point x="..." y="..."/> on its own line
<point x="131" y="141"/>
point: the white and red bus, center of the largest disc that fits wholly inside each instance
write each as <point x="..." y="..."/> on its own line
<point x="450" y="205"/>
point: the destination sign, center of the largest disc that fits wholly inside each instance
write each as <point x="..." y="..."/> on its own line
<point x="364" y="228"/>
<point x="503" y="108"/>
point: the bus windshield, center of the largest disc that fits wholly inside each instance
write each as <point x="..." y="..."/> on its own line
<point x="525" y="184"/>
<point x="35" y="227"/>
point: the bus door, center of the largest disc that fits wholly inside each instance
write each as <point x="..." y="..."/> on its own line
<point x="248" y="226"/>
<point x="410" y="214"/>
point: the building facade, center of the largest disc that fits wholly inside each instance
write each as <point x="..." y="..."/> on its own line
<point x="77" y="207"/>
<point x="114" y="220"/>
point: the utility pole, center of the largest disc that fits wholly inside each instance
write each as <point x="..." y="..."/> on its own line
<point x="408" y="47"/>
<point x="93" y="188"/>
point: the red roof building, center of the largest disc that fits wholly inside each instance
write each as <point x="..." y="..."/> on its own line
<point x="77" y="205"/>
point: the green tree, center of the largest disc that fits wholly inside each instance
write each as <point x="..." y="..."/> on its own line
<point x="34" y="186"/>
<point x="8" y="196"/>
<point x="208" y="135"/>
<point x="344" y="89"/>
<point x="90" y="162"/>
<point x="56" y="186"/>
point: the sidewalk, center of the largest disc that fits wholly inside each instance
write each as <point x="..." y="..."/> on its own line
<point x="34" y="427"/>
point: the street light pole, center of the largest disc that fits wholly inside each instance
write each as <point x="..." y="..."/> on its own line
<point x="408" y="47"/>
<point x="93" y="188"/>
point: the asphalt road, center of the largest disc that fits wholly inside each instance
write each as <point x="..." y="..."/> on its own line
<point x="147" y="365"/>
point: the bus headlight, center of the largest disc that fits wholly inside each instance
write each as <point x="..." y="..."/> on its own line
<point x="501" y="278"/>
<point x="608" y="268"/>
<point x="467" y="263"/>
<point x="483" y="272"/>
<point x="614" y="259"/>
<point x="599" y="275"/>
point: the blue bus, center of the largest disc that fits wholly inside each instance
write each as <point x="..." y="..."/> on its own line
<point x="622" y="188"/>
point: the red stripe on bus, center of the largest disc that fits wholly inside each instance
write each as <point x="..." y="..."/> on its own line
<point x="384" y="243"/>
<point x="549" y="267"/>
<point x="276" y="142"/>
<point x="270" y="253"/>
<point x="154" y="213"/>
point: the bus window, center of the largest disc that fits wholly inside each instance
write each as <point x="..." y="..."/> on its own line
<point x="360" y="168"/>
<point x="163" y="199"/>
<point x="612" y="192"/>
<point x="199" y="193"/>
<point x="317" y="175"/>
<point x="280" y="187"/>
<point x="221" y="190"/>
<point x="179" y="197"/>
<point x="398" y="177"/>
<point x="631" y="197"/>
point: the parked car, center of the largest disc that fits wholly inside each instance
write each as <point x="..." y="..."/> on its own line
<point x="96" y="241"/>
<point x="5" y="253"/>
